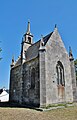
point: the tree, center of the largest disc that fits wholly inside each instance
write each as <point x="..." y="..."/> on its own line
<point x="75" y="62"/>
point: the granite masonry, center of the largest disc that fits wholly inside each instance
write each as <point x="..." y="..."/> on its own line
<point x="44" y="72"/>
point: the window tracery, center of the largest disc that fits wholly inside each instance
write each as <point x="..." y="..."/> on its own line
<point x="60" y="74"/>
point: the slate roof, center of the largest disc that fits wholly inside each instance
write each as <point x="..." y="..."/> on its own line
<point x="46" y="38"/>
<point x="33" y="50"/>
<point x="18" y="62"/>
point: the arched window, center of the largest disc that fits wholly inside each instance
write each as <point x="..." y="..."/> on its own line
<point x="29" y="39"/>
<point x="33" y="78"/>
<point x="60" y="74"/>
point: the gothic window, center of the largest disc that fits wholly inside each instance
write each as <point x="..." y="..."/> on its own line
<point x="33" y="78"/>
<point x="60" y="74"/>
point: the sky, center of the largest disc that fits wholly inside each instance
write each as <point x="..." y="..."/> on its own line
<point x="43" y="15"/>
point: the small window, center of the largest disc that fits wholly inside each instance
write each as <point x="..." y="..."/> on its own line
<point x="29" y="39"/>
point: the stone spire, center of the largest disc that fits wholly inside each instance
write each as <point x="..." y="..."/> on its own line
<point x="12" y="64"/>
<point x="28" y="37"/>
<point x="55" y="25"/>
<point x="42" y="41"/>
<point x="28" y="28"/>
<point x="55" y="28"/>
<point x="42" y="46"/>
<point x="70" y="54"/>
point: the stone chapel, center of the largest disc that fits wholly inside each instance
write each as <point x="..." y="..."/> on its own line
<point x="44" y="72"/>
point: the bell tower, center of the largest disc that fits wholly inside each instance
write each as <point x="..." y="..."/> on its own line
<point x="28" y="37"/>
<point x="27" y="41"/>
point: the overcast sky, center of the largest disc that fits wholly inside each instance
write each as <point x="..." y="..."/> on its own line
<point x="43" y="15"/>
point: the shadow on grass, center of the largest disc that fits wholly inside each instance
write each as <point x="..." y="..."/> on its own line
<point x="16" y="105"/>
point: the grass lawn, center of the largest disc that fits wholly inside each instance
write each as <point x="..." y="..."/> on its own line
<point x="69" y="113"/>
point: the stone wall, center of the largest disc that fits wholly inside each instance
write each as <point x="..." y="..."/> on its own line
<point x="16" y="84"/>
<point x="42" y="70"/>
<point x="24" y="83"/>
<point x="55" y="51"/>
<point x="31" y="88"/>
<point x="74" y="85"/>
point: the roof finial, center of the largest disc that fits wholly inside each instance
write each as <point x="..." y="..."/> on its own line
<point x="28" y="27"/>
<point x="13" y="59"/>
<point x="55" y="25"/>
<point x="55" y="29"/>
<point x="42" y="41"/>
<point x="12" y="64"/>
<point x="70" y="54"/>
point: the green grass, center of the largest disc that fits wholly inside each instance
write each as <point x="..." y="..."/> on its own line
<point x="69" y="113"/>
<point x="57" y="105"/>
